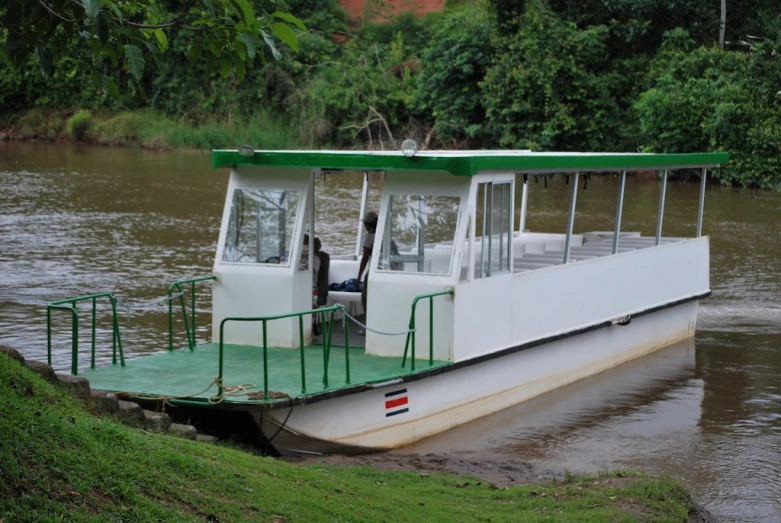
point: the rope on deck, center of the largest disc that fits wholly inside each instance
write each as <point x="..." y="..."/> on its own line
<point x="227" y="390"/>
<point x="354" y="320"/>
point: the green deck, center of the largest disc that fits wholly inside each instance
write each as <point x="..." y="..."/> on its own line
<point x="187" y="373"/>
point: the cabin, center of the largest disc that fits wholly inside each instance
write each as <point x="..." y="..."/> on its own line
<point x="446" y="227"/>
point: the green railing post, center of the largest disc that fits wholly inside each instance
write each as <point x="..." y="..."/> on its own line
<point x="190" y="325"/>
<point x="327" y="340"/>
<point x="192" y="302"/>
<point x="265" y="363"/>
<point x="170" y="318"/>
<point x="190" y="340"/>
<point x="219" y="374"/>
<point x="70" y="305"/>
<point x="326" y="347"/>
<point x="117" y="334"/>
<point x="346" y="328"/>
<point x="431" y="331"/>
<point x="303" y="365"/>
<point x="75" y="341"/>
<point x="49" y="335"/>
<point x="94" y="306"/>
<point x="413" y="330"/>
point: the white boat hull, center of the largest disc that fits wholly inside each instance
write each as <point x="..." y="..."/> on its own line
<point x="398" y="415"/>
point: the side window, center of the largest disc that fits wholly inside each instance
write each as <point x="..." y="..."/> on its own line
<point x="494" y="223"/>
<point x="261" y="226"/>
<point x="419" y="234"/>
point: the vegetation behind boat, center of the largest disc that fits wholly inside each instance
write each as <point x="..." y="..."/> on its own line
<point x="58" y="460"/>
<point x="555" y="76"/>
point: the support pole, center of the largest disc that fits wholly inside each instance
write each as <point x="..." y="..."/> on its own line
<point x="490" y="223"/>
<point x="482" y="238"/>
<point x="619" y="211"/>
<point x="311" y="247"/>
<point x="660" y="216"/>
<point x="524" y="199"/>
<point x="364" y="194"/>
<point x="571" y="219"/>
<point x="702" y="201"/>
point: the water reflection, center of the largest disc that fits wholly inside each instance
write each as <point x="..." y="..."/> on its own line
<point x="79" y="220"/>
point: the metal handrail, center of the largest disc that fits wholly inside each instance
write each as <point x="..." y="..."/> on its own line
<point x="326" y="345"/>
<point x="70" y="305"/>
<point x="190" y="331"/>
<point x="411" y="333"/>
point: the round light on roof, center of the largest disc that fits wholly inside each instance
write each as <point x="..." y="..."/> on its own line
<point x="409" y="148"/>
<point x="246" y="150"/>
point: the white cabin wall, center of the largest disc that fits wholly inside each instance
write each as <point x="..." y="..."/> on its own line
<point x="509" y="310"/>
<point x="391" y="293"/>
<point x="253" y="290"/>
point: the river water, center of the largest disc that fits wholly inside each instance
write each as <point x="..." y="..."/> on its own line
<point x="78" y="220"/>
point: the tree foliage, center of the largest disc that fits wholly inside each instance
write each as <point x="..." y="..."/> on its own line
<point x="106" y="35"/>
<point x="551" y="86"/>
<point x="705" y="99"/>
<point x="594" y="75"/>
<point x="454" y="62"/>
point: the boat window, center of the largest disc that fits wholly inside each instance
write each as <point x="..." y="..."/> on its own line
<point x="494" y="227"/>
<point x="261" y="226"/>
<point x="419" y="234"/>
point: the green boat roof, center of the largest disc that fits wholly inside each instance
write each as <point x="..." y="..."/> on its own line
<point x="468" y="163"/>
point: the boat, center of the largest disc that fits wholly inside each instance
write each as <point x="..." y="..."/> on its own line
<point x="467" y="311"/>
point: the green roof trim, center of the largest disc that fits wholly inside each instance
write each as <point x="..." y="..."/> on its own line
<point x="468" y="163"/>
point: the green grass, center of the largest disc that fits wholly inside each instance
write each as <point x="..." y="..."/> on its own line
<point x="148" y="129"/>
<point x="59" y="462"/>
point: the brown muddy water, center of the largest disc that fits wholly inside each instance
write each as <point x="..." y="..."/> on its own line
<point x="76" y="220"/>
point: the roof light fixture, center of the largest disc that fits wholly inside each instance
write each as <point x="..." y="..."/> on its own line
<point x="409" y="148"/>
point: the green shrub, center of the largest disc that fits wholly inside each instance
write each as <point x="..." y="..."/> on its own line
<point x="79" y="124"/>
<point x="552" y="86"/>
<point x="452" y="66"/>
<point x="706" y="99"/>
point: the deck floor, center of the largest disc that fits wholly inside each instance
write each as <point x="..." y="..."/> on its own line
<point x="187" y="373"/>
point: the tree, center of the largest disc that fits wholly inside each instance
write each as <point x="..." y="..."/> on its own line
<point x="453" y="64"/>
<point x="104" y="35"/>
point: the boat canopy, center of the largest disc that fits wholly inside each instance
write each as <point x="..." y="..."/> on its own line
<point x="469" y="163"/>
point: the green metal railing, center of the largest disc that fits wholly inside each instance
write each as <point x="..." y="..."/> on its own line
<point x="189" y="326"/>
<point x="411" y="333"/>
<point x="327" y="333"/>
<point x="70" y="305"/>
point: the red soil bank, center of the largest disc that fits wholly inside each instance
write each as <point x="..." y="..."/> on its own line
<point x="390" y="8"/>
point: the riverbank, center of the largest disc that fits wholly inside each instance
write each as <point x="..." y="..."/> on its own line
<point x="148" y="129"/>
<point x="59" y="459"/>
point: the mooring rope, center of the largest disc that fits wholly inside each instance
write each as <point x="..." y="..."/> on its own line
<point x="227" y="390"/>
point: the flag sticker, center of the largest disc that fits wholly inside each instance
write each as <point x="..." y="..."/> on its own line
<point x="396" y="402"/>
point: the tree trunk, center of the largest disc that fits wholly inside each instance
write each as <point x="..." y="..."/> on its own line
<point x="723" y="26"/>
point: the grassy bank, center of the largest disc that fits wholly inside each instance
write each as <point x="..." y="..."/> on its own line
<point x="147" y="129"/>
<point x="60" y="462"/>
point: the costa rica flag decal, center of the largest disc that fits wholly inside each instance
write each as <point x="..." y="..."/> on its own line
<point x="396" y="402"/>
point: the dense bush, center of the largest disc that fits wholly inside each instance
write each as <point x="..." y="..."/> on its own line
<point x="452" y="65"/>
<point x="551" y="86"/>
<point x="704" y="99"/>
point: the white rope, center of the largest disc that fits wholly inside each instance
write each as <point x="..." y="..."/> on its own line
<point x="354" y="320"/>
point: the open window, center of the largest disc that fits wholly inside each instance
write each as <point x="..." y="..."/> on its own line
<point x="261" y="226"/>
<point x="494" y="221"/>
<point x="419" y="234"/>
